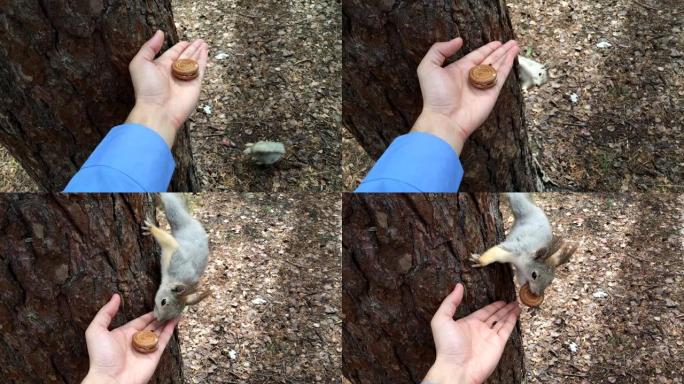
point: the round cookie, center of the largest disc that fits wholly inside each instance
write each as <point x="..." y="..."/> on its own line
<point x="482" y="76"/>
<point x="185" y="69"/>
<point x="145" y="341"/>
<point x="528" y="298"/>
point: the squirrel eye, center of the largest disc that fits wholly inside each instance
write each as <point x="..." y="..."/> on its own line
<point x="163" y="301"/>
<point x="534" y="275"/>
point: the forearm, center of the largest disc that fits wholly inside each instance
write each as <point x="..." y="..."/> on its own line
<point x="416" y="162"/>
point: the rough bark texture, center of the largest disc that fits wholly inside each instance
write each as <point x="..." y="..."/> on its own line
<point x="384" y="42"/>
<point x="64" y="81"/>
<point x="61" y="258"/>
<point x="402" y="254"/>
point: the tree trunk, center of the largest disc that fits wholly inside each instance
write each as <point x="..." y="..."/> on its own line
<point x="384" y="42"/>
<point x="64" y="81"/>
<point x="402" y="255"/>
<point x="61" y="259"/>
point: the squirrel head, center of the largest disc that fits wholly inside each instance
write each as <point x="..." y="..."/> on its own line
<point x="170" y="300"/>
<point x="541" y="269"/>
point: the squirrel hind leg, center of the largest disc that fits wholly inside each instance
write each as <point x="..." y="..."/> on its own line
<point x="494" y="254"/>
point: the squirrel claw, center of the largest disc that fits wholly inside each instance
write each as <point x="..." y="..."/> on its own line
<point x="146" y="227"/>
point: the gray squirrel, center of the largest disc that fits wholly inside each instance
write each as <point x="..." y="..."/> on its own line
<point x="531" y="72"/>
<point x="184" y="254"/>
<point x="530" y="246"/>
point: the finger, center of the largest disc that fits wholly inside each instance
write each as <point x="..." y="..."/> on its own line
<point x="493" y="320"/>
<point x="141" y="322"/>
<point x="189" y="52"/>
<point x="202" y="57"/>
<point x="499" y="53"/>
<point x="105" y="315"/>
<point x="196" y="55"/>
<point x="151" y="47"/>
<point x="505" y="326"/>
<point x="504" y="68"/>
<point x="448" y="307"/>
<point x="174" y="52"/>
<point x="439" y="52"/>
<point x="486" y="312"/>
<point x="167" y="332"/>
<point x="481" y="53"/>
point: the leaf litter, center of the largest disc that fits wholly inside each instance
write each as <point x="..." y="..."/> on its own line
<point x="275" y="275"/>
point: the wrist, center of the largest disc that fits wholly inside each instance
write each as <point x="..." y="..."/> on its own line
<point x="157" y="119"/>
<point x="98" y="378"/>
<point x="445" y="373"/>
<point x="442" y="126"/>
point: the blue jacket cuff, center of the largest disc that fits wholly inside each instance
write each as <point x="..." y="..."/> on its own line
<point x="130" y="158"/>
<point x="415" y="162"/>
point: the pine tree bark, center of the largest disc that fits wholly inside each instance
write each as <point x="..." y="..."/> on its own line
<point x="61" y="259"/>
<point x="64" y="81"/>
<point x="384" y="41"/>
<point x="402" y="255"/>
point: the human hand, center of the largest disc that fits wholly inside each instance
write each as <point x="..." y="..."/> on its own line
<point x="469" y="349"/>
<point x="452" y="108"/>
<point x="162" y="102"/>
<point x="112" y="357"/>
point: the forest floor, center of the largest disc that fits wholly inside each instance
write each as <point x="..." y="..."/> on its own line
<point x="274" y="73"/>
<point x="615" y="313"/>
<point x="626" y="130"/>
<point x="275" y="274"/>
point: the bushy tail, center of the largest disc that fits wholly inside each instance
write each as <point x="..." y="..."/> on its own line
<point x="176" y="212"/>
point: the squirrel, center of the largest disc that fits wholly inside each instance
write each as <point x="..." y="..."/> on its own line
<point x="531" y="72"/>
<point x="530" y="246"/>
<point x="184" y="254"/>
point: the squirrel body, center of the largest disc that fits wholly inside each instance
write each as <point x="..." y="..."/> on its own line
<point x="184" y="255"/>
<point x="531" y="73"/>
<point x="265" y="152"/>
<point x="530" y="245"/>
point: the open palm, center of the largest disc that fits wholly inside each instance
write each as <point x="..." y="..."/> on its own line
<point x="111" y="353"/>
<point x="154" y="84"/>
<point x="471" y="346"/>
<point x="446" y="90"/>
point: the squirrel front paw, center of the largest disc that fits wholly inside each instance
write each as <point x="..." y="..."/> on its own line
<point x="475" y="259"/>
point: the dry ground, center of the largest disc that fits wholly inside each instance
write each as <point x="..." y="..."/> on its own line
<point x="626" y="130"/>
<point x="274" y="73"/>
<point x="620" y="301"/>
<point x="276" y="278"/>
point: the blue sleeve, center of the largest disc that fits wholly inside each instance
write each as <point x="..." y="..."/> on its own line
<point x="130" y="158"/>
<point x="415" y="162"/>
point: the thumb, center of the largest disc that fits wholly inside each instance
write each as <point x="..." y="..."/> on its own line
<point x="151" y="47"/>
<point x="439" y="52"/>
<point x="105" y="315"/>
<point x="448" y="307"/>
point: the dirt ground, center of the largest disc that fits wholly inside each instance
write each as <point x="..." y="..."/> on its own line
<point x="625" y="132"/>
<point x="274" y="73"/>
<point x="615" y="313"/>
<point x="275" y="274"/>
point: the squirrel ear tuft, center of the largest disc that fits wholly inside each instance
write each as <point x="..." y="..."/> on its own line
<point x="561" y="253"/>
<point x="179" y="289"/>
